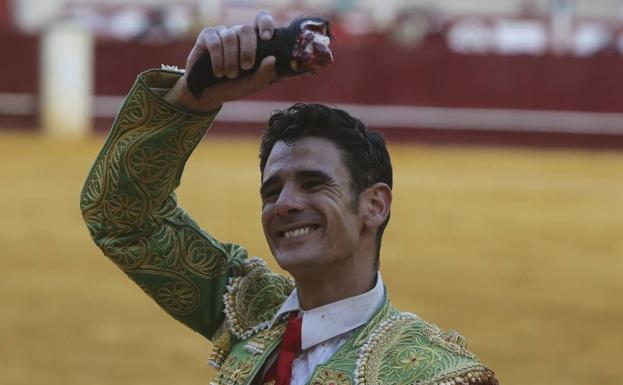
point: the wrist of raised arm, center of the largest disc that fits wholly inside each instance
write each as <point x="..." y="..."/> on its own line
<point x="170" y="86"/>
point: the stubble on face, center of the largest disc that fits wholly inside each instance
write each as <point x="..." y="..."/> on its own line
<point x="308" y="215"/>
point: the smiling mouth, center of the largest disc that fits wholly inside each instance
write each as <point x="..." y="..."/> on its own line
<point x="304" y="230"/>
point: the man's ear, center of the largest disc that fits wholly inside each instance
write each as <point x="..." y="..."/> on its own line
<point x="377" y="202"/>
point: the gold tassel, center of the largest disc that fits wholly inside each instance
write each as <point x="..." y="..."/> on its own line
<point x="222" y="347"/>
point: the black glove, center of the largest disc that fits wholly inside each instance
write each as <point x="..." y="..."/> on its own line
<point x="301" y="47"/>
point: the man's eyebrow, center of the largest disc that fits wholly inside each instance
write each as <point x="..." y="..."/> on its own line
<point x="301" y="174"/>
<point x="314" y="174"/>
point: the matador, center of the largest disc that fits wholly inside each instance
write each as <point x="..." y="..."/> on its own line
<point x="326" y="190"/>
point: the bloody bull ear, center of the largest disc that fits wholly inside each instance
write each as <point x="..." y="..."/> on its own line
<point x="301" y="47"/>
<point x="311" y="51"/>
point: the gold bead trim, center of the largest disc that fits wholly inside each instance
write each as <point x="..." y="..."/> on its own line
<point x="450" y="340"/>
<point x="255" y="347"/>
<point x="370" y="344"/>
<point x="235" y="325"/>
<point x="476" y="374"/>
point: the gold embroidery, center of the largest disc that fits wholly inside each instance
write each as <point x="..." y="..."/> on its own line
<point x="475" y="374"/>
<point x="125" y="209"/>
<point x="257" y="343"/>
<point x="129" y="207"/>
<point x="252" y="300"/>
<point x="398" y="351"/>
<point x="222" y="347"/>
<point x="234" y="371"/>
<point x="127" y="255"/>
<point x="327" y="376"/>
<point x="450" y="340"/>
<point x="148" y="163"/>
<point x="176" y="297"/>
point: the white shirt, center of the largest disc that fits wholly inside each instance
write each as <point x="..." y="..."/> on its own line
<point x="326" y="328"/>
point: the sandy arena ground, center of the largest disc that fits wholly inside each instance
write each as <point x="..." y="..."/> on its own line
<point x="519" y="250"/>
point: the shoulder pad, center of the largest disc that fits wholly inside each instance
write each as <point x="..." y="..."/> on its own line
<point x="405" y="349"/>
<point x="253" y="298"/>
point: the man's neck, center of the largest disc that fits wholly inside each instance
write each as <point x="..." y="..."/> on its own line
<point x="332" y="285"/>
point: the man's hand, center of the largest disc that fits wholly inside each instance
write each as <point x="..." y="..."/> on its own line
<point x="230" y="49"/>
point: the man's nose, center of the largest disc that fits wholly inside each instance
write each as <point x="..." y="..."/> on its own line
<point x="289" y="201"/>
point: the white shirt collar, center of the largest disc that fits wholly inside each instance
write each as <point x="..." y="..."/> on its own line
<point x="331" y="320"/>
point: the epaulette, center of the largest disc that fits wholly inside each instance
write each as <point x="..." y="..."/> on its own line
<point x="251" y="301"/>
<point x="404" y="349"/>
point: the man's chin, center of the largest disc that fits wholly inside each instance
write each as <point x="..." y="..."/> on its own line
<point x="292" y="262"/>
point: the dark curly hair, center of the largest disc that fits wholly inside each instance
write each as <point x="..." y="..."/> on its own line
<point x="364" y="152"/>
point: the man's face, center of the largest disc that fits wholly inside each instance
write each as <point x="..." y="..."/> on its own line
<point x="307" y="205"/>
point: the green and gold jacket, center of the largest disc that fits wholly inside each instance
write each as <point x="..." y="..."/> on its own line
<point x="130" y="209"/>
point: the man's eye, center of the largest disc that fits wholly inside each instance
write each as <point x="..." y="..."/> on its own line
<point x="312" y="184"/>
<point x="270" y="195"/>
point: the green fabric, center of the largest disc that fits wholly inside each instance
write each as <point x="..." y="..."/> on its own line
<point x="131" y="212"/>
<point x="392" y="348"/>
<point x="129" y="206"/>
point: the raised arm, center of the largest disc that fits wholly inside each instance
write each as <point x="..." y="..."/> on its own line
<point x="128" y="200"/>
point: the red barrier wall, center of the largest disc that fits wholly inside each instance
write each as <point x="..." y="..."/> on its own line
<point x="20" y="62"/>
<point x="376" y="71"/>
<point x="20" y="73"/>
<point x="370" y="71"/>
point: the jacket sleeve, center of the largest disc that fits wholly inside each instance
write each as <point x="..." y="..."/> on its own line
<point x="132" y="214"/>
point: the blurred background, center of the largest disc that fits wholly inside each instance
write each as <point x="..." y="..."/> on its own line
<point x="505" y="123"/>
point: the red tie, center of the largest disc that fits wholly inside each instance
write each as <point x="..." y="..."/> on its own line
<point x="281" y="371"/>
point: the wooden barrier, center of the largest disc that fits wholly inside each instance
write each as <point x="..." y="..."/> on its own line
<point x="376" y="72"/>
